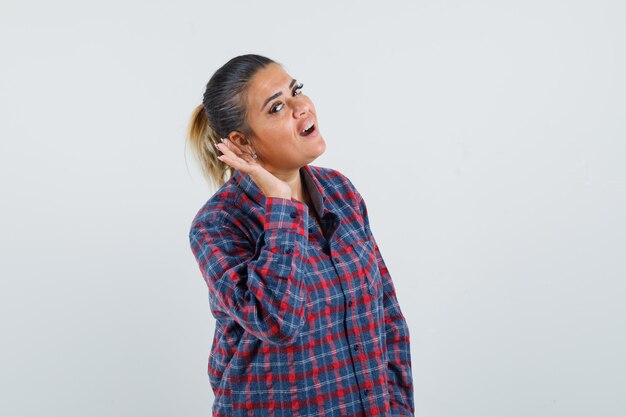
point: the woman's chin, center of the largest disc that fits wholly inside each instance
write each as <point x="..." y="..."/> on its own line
<point x="318" y="150"/>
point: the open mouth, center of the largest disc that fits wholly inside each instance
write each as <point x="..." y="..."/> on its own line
<point x="307" y="132"/>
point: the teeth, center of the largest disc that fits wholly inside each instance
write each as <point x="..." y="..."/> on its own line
<point x="308" y="126"/>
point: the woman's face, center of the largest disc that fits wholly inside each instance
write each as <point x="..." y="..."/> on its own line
<point x="278" y="114"/>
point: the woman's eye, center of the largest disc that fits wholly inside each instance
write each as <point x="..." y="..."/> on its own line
<point x="276" y="107"/>
<point x="296" y="91"/>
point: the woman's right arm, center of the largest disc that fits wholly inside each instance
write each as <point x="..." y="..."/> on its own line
<point x="263" y="290"/>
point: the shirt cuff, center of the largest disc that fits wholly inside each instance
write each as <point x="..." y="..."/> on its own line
<point x="286" y="220"/>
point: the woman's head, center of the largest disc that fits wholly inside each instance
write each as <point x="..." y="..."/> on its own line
<point x="258" y="106"/>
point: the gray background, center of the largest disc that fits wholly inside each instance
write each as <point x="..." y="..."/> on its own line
<point x="487" y="138"/>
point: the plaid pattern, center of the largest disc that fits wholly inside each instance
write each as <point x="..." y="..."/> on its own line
<point x="307" y="320"/>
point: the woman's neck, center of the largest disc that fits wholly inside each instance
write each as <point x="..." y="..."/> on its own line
<point x="296" y="183"/>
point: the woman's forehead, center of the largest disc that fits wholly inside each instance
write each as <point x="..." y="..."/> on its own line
<point x="269" y="81"/>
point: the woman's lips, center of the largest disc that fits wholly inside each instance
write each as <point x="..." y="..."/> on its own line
<point x="310" y="132"/>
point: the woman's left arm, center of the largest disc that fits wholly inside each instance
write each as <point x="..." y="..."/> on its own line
<point x="400" y="378"/>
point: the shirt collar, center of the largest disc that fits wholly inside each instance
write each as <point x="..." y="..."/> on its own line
<point x="313" y="185"/>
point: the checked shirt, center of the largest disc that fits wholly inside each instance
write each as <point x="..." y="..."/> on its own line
<point x="307" y="319"/>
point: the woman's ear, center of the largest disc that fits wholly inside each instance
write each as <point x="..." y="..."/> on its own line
<point x="240" y="140"/>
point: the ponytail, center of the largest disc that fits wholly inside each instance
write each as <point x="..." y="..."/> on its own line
<point x="203" y="139"/>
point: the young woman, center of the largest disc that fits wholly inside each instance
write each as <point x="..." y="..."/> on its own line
<point x="307" y="319"/>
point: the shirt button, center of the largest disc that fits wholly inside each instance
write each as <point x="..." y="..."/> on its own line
<point x="288" y="250"/>
<point x="356" y="347"/>
<point x="293" y="214"/>
<point x="366" y="392"/>
<point x="350" y="303"/>
<point x="310" y="229"/>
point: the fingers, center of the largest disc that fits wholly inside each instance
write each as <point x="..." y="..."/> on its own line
<point x="238" y="151"/>
<point x="232" y="146"/>
<point x="232" y="158"/>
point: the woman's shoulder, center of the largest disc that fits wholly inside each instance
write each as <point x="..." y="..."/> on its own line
<point x="220" y="206"/>
<point x="332" y="176"/>
<point x="337" y="186"/>
<point x="335" y="179"/>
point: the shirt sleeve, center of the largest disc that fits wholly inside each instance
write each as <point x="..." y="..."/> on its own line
<point x="400" y="378"/>
<point x="261" y="286"/>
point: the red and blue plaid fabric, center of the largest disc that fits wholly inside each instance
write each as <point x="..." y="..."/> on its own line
<point x="307" y="320"/>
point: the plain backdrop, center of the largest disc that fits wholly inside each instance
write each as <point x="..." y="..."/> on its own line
<point x="487" y="138"/>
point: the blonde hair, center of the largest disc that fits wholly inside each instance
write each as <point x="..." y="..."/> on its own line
<point x="222" y="111"/>
<point x="202" y="139"/>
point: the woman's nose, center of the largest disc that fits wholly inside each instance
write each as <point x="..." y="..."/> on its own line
<point x="301" y="107"/>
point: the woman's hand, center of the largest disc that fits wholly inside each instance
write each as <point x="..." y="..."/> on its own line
<point x="269" y="184"/>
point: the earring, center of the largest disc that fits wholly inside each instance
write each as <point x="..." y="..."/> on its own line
<point x="254" y="155"/>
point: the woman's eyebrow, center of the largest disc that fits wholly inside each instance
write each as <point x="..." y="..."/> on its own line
<point x="276" y="95"/>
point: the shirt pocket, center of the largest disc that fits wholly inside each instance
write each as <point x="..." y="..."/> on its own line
<point x="367" y="257"/>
